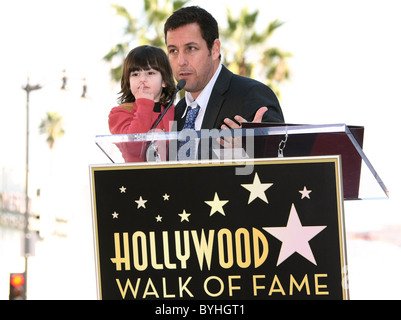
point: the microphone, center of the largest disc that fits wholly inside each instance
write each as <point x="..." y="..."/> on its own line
<point x="180" y="85"/>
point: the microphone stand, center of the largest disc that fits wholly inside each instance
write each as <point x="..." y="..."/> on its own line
<point x="152" y="153"/>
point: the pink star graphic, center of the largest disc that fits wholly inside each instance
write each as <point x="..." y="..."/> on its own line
<point x="295" y="238"/>
<point x="305" y="193"/>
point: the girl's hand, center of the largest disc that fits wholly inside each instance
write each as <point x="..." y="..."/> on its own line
<point x="144" y="92"/>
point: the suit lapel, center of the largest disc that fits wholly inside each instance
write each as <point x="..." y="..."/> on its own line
<point x="217" y="98"/>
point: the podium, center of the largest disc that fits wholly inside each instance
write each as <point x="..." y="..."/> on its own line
<point x="260" y="218"/>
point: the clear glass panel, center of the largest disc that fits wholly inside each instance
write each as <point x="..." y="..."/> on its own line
<point x="360" y="179"/>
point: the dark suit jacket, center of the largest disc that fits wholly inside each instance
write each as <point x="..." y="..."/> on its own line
<point x="235" y="95"/>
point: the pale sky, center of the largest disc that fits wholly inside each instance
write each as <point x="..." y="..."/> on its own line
<point x="346" y="69"/>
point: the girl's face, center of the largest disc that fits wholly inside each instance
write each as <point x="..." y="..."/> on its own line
<point x="146" y="84"/>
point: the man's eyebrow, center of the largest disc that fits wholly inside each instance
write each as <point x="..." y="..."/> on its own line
<point x="192" y="43"/>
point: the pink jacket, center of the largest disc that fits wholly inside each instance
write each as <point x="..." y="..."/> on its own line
<point x="137" y="117"/>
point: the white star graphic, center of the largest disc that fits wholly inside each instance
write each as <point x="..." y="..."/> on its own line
<point x="217" y="205"/>
<point x="257" y="189"/>
<point x="115" y="215"/>
<point x="122" y="189"/>
<point x="184" y="216"/>
<point x="159" y="218"/>
<point x="295" y="238"/>
<point x="141" y="203"/>
<point x="166" y="197"/>
<point x="305" y="193"/>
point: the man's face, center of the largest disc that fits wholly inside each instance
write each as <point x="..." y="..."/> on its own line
<point x="190" y="57"/>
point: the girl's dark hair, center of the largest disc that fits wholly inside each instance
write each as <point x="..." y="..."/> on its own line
<point x="208" y="25"/>
<point x="145" y="58"/>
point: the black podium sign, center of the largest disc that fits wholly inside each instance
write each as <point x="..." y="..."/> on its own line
<point x="201" y="231"/>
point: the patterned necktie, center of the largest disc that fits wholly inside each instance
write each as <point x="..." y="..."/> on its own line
<point x="191" y="117"/>
<point x="189" y="124"/>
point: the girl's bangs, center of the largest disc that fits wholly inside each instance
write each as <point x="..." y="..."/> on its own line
<point x="143" y="60"/>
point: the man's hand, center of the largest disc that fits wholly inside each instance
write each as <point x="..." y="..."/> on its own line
<point x="230" y="124"/>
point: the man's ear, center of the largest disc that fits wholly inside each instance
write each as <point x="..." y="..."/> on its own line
<point x="216" y="49"/>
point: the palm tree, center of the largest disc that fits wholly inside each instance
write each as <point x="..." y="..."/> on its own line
<point x="120" y="49"/>
<point x="52" y="127"/>
<point x="151" y="32"/>
<point x="241" y="40"/>
<point x="274" y="62"/>
<point x="237" y="39"/>
<point x="155" y="18"/>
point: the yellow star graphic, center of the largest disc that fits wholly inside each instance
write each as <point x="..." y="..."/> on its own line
<point x="141" y="202"/>
<point x="217" y="205"/>
<point x="257" y="189"/>
<point x="184" y="216"/>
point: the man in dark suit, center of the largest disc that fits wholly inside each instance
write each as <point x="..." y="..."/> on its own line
<point x="221" y="98"/>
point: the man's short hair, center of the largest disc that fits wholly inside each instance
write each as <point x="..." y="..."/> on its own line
<point x="194" y="14"/>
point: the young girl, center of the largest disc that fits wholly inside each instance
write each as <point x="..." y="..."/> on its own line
<point x="147" y="85"/>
